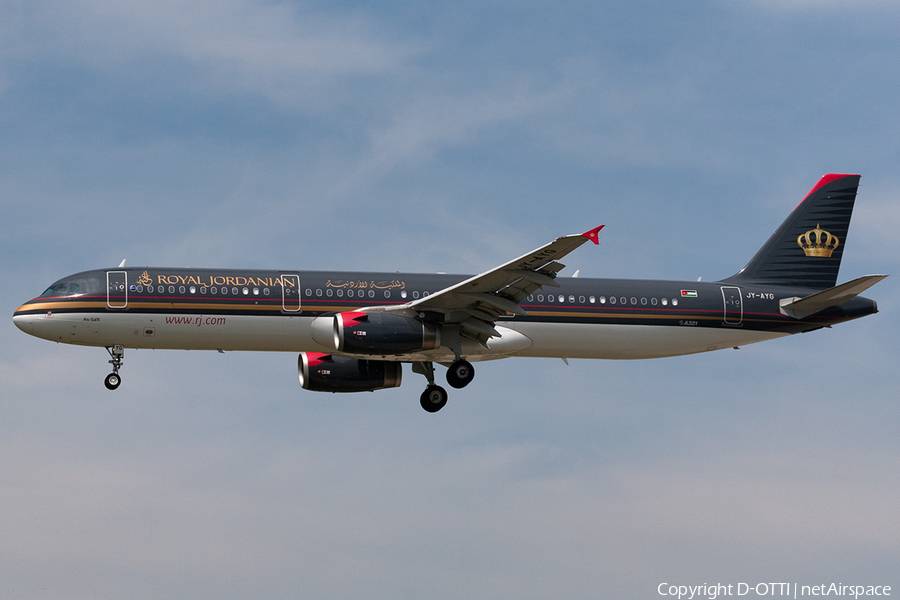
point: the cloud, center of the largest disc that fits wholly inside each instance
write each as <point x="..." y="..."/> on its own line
<point x="876" y="218"/>
<point x="291" y="516"/>
<point x="280" y="49"/>
<point x="836" y="6"/>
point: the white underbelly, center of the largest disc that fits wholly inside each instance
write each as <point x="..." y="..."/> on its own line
<point x="292" y="334"/>
<point x="178" y="332"/>
<point x="579" y="340"/>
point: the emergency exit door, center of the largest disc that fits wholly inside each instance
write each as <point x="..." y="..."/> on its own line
<point x="734" y="308"/>
<point x="116" y="289"/>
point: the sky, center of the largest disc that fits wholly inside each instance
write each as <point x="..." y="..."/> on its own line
<point x="404" y="136"/>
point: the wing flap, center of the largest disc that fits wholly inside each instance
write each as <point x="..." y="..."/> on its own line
<point x="495" y="300"/>
<point x="479" y="326"/>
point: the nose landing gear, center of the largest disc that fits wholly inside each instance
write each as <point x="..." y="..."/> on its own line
<point x="116" y="354"/>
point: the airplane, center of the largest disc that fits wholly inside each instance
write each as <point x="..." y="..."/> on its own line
<point x="353" y="330"/>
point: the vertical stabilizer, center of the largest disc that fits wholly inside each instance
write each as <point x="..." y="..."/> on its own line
<point x="806" y="250"/>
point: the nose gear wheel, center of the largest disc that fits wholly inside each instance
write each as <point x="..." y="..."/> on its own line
<point x="116" y="355"/>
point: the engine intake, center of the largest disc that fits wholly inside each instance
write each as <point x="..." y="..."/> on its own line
<point x="321" y="372"/>
<point x="375" y="333"/>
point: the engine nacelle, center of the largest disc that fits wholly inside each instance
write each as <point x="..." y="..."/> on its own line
<point x="375" y="333"/>
<point x="321" y="372"/>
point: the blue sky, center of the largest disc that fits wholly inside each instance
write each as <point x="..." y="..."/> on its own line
<point x="401" y="136"/>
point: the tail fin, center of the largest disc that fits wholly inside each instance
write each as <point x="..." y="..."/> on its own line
<point x="806" y="250"/>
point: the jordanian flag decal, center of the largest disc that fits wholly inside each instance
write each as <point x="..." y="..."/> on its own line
<point x="688" y="293"/>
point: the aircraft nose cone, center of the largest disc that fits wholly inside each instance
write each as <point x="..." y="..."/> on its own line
<point x="24" y="322"/>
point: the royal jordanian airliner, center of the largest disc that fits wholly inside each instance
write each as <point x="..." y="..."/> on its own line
<point x="353" y="331"/>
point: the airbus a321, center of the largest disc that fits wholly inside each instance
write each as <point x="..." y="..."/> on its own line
<point x="354" y="331"/>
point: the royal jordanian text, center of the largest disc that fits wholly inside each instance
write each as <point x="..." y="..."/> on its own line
<point x="791" y="590"/>
<point x="218" y="280"/>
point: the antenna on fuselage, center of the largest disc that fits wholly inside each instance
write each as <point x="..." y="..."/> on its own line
<point x="122" y="264"/>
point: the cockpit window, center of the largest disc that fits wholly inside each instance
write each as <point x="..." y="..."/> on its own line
<point x="73" y="287"/>
<point x="61" y="289"/>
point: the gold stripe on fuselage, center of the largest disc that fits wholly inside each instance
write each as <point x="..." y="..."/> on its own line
<point x="218" y="307"/>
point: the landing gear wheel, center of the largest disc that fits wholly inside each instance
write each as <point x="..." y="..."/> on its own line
<point x="116" y="355"/>
<point x="433" y="398"/>
<point x="112" y="381"/>
<point x="460" y="374"/>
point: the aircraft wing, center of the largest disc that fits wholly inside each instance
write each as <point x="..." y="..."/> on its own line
<point x="476" y="303"/>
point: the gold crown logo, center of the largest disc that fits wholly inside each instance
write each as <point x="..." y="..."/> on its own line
<point x="818" y="242"/>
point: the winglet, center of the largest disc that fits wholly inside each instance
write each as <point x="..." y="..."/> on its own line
<point x="592" y="234"/>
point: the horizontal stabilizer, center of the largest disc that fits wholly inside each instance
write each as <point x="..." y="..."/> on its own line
<point x="836" y="296"/>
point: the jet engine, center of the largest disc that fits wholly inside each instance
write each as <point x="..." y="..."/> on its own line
<point x="321" y="372"/>
<point x="375" y="333"/>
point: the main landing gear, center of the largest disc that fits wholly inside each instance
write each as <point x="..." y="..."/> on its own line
<point x="116" y="354"/>
<point x="459" y="375"/>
